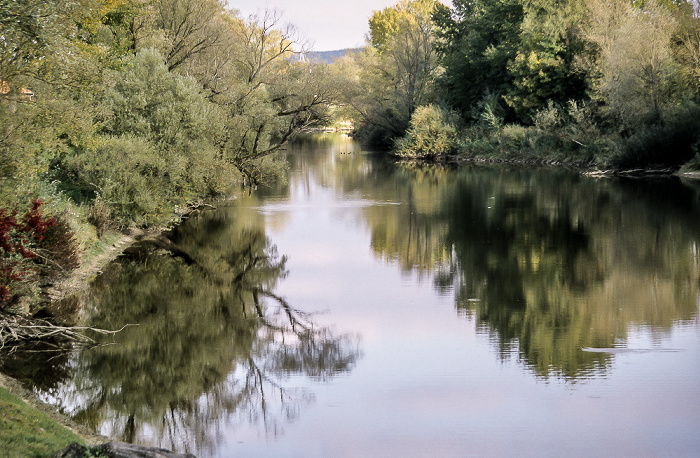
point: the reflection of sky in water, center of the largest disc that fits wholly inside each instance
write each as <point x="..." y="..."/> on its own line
<point x="429" y="384"/>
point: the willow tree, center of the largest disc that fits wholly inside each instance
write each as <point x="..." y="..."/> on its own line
<point x="245" y="68"/>
<point x="267" y="97"/>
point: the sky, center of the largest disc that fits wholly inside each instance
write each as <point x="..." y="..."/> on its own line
<point x="327" y="24"/>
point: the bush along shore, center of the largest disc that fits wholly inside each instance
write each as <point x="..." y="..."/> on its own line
<point x="560" y="136"/>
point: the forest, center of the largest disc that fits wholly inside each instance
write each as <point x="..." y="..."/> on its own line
<point x="126" y="113"/>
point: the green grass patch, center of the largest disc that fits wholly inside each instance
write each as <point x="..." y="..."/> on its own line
<point x="27" y="432"/>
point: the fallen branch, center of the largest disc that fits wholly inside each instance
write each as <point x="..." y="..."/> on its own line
<point x="17" y="330"/>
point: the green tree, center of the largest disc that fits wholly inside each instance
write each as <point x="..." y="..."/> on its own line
<point x="157" y="149"/>
<point x="266" y="97"/>
<point x="545" y="68"/>
<point x="189" y="28"/>
<point x="477" y="42"/>
<point x="396" y="75"/>
<point x="638" y="73"/>
<point x="525" y="53"/>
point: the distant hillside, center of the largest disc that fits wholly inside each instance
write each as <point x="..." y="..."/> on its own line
<point x="329" y="56"/>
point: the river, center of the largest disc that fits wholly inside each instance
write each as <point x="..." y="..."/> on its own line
<point x="368" y="308"/>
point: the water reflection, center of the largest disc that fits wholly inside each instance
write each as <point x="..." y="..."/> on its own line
<point x="547" y="261"/>
<point x="540" y="267"/>
<point x="212" y="343"/>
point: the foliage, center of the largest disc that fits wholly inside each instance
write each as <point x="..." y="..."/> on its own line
<point x="395" y="76"/>
<point x="18" y="162"/>
<point x="432" y="133"/>
<point x="24" y="28"/>
<point x="59" y="249"/>
<point x="525" y="52"/>
<point x="638" y="72"/>
<point x="477" y="40"/>
<point x="157" y="148"/>
<point x="17" y="241"/>
<point x="625" y="71"/>
<point x="670" y="143"/>
<point x="188" y="27"/>
<point x="545" y="66"/>
<point x="264" y="97"/>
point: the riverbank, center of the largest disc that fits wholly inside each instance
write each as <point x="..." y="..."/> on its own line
<point x="584" y="168"/>
<point x="32" y="427"/>
<point x="566" y="139"/>
<point x="29" y="427"/>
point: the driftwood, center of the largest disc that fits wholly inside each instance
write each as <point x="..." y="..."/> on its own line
<point x="117" y="450"/>
<point x="16" y="330"/>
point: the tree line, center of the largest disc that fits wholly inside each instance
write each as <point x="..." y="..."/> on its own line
<point x="119" y="113"/>
<point x="141" y="107"/>
<point x="613" y="84"/>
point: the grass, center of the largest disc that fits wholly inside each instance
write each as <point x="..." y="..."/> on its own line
<point x="27" y="432"/>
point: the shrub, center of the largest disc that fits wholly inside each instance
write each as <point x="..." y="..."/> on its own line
<point x="99" y="215"/>
<point x="432" y="133"/>
<point x="18" y="240"/>
<point x="515" y="135"/>
<point x="490" y="112"/>
<point x="58" y="249"/>
<point x="548" y="118"/>
<point x="669" y="143"/>
<point x="158" y="149"/>
<point x="693" y="165"/>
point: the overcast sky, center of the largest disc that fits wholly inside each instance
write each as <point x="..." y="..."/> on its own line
<point x="328" y="24"/>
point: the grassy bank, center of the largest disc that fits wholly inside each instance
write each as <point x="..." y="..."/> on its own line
<point x="26" y="431"/>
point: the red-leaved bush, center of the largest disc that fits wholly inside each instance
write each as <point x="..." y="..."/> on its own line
<point x="17" y="239"/>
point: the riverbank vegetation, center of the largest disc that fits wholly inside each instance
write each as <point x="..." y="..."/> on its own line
<point x="608" y="84"/>
<point x="121" y="113"/>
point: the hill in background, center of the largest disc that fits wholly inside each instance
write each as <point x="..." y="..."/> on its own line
<point x="328" y="56"/>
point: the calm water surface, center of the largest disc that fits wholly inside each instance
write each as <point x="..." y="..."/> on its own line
<point x="371" y="309"/>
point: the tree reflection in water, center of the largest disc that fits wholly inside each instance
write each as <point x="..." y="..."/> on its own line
<point x="546" y="261"/>
<point x="212" y="345"/>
